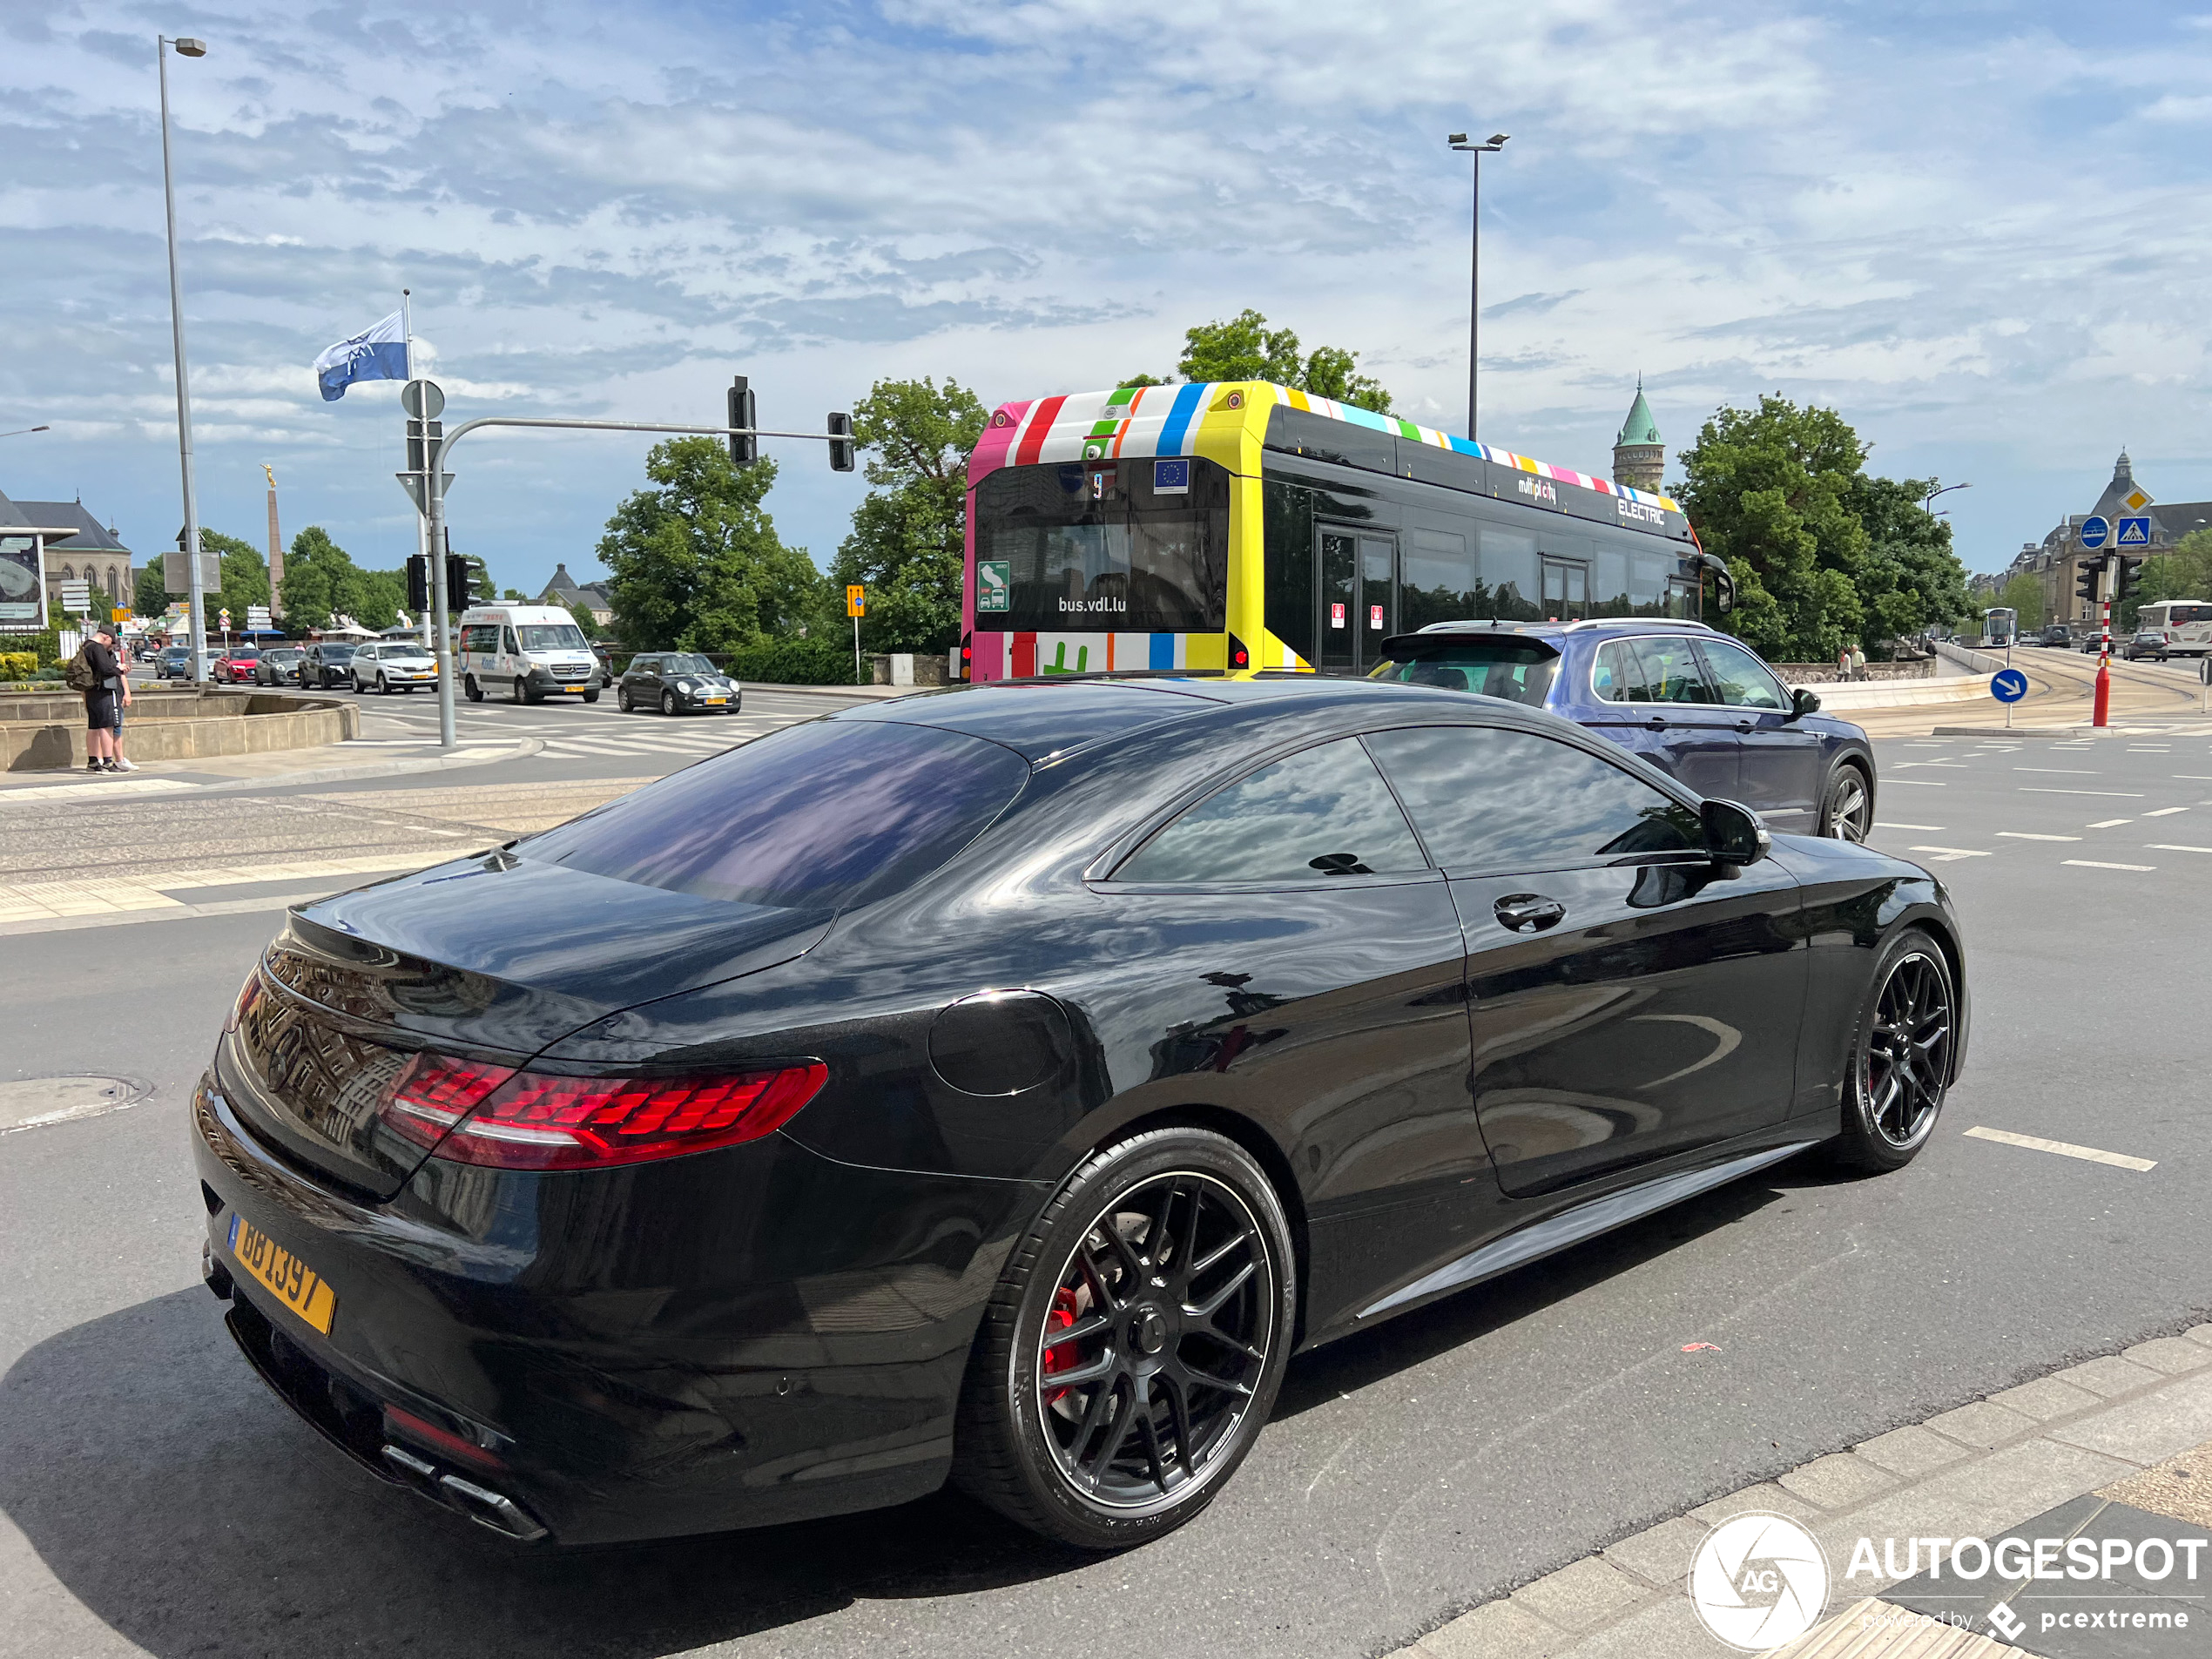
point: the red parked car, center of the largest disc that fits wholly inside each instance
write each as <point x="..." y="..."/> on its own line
<point x="235" y="666"/>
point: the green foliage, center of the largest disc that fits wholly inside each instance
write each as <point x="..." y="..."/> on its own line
<point x="2024" y="595"/>
<point x="907" y="543"/>
<point x="149" y="590"/>
<point x="22" y="665"/>
<point x="1143" y="379"/>
<point x="2184" y="573"/>
<point x="321" y="581"/>
<point x="818" y="660"/>
<point x="1245" y="348"/>
<point x="586" y="620"/>
<point x="1824" y="555"/>
<point x="696" y="563"/>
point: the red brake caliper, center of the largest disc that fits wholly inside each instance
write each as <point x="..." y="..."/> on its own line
<point x="1063" y="1357"/>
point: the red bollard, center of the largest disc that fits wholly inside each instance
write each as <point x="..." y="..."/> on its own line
<point x="2102" y="716"/>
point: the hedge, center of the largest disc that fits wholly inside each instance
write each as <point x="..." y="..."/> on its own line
<point x="18" y="664"/>
<point x="791" y="662"/>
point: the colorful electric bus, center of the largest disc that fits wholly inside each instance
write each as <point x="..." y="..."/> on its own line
<point x="1240" y="528"/>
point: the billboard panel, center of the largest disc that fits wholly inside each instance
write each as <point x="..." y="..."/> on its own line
<point x="22" y="587"/>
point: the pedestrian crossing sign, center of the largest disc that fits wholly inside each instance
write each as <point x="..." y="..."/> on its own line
<point x="2133" y="532"/>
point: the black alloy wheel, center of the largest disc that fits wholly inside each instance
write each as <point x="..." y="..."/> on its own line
<point x="1134" y="1345"/>
<point x="668" y="702"/>
<point x="1901" y="1066"/>
<point x="1847" y="804"/>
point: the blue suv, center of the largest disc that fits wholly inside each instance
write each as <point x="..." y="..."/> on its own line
<point x="1694" y="701"/>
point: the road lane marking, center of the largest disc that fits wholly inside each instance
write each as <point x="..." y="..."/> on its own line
<point x="1944" y="854"/>
<point x="2047" y="789"/>
<point x="2171" y="846"/>
<point x="1936" y="829"/>
<point x="2194" y="777"/>
<point x="2027" y="835"/>
<point x="1918" y="782"/>
<point x="2095" y="864"/>
<point x="2109" y="823"/>
<point x="2070" y="772"/>
<point x="2166" y="812"/>
<point x="2064" y="1148"/>
<point x="1955" y="765"/>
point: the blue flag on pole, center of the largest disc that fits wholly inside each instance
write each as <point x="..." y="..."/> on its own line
<point x="378" y="353"/>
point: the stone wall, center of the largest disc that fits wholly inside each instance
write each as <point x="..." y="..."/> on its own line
<point x="1825" y="673"/>
<point x="39" y="731"/>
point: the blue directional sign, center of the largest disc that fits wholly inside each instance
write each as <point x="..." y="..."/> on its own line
<point x="2009" y="685"/>
<point x="2094" y="530"/>
<point x="2133" y="532"/>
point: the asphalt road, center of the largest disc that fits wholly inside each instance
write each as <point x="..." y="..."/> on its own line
<point x="153" y="1496"/>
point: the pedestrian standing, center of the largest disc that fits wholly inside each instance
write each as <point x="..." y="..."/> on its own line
<point x="1843" y="662"/>
<point x="107" y="690"/>
<point x="1858" y="663"/>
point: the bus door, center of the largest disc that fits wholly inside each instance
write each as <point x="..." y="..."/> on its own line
<point x="1359" y="577"/>
<point x="1567" y="590"/>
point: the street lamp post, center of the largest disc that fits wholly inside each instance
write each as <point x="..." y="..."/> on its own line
<point x="20" y="430"/>
<point x="185" y="48"/>
<point x="1491" y="147"/>
<point x="1934" y="492"/>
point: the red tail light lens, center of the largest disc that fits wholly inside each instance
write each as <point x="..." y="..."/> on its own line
<point x="525" y="1120"/>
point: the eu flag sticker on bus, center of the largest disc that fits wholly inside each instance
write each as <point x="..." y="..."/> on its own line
<point x="1172" y="477"/>
<point x="993" y="586"/>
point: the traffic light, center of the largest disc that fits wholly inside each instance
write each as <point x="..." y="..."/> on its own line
<point x="2123" y="579"/>
<point x="745" y="411"/>
<point x="457" y="583"/>
<point x="418" y="584"/>
<point x="841" y="445"/>
<point x="2086" y="580"/>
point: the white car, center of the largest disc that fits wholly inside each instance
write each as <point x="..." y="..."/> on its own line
<point x="393" y="665"/>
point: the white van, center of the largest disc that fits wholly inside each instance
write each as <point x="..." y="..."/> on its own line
<point x="526" y="652"/>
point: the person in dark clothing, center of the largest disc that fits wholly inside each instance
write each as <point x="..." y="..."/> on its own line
<point x="104" y="705"/>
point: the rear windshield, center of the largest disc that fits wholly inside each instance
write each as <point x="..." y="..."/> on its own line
<point x="814" y="817"/>
<point x="1518" y="670"/>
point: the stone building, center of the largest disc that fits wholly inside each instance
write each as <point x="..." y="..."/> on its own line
<point x="563" y="590"/>
<point x="1639" y="456"/>
<point x="2055" y="562"/>
<point x="74" y="547"/>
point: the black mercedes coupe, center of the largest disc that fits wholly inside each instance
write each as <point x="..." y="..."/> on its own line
<point x="1002" y="1084"/>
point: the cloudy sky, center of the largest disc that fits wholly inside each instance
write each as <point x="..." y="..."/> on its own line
<point x="1982" y="232"/>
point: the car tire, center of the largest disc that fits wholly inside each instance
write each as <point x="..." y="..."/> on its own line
<point x="514" y="692"/>
<point x="1900" y="1065"/>
<point x="668" y="702"/>
<point x="622" y="698"/>
<point x="469" y="688"/>
<point x="592" y="695"/>
<point x="1847" y="804"/>
<point x="383" y="686"/>
<point x="1168" y="1257"/>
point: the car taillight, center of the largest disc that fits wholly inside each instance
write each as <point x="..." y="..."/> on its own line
<point x="539" y="1120"/>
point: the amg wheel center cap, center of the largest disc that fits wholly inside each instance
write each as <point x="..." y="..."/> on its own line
<point x="1148" y="1331"/>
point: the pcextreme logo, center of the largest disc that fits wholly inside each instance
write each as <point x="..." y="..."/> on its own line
<point x="1759" y="1581"/>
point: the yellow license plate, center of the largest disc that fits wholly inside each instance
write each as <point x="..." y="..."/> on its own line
<point x="295" y="1283"/>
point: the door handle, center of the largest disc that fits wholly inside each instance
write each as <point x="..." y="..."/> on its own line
<point x="1529" y="912"/>
<point x="1743" y="725"/>
<point x="1657" y="722"/>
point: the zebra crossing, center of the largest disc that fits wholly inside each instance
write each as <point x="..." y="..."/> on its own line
<point x="694" y="738"/>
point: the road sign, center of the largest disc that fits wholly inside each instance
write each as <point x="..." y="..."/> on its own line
<point x="76" y="597"/>
<point x="424" y="399"/>
<point x="993" y="586"/>
<point x="257" y="617"/>
<point x="2133" y="532"/>
<point x="856" y="600"/>
<point x="2009" y="685"/>
<point x="119" y="614"/>
<point x="2094" y="531"/>
<point x="412" y="482"/>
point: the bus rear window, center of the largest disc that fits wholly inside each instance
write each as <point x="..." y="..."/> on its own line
<point x="815" y="817"/>
<point x="1138" y="545"/>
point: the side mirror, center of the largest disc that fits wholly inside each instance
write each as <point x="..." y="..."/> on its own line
<point x="1804" y="702"/>
<point x="1733" y="834"/>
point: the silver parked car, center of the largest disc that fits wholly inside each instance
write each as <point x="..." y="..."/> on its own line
<point x="391" y="665"/>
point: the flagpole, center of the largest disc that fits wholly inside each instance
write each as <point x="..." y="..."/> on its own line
<point x="422" y="530"/>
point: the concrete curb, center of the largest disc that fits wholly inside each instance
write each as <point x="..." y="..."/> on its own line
<point x="522" y="750"/>
<point x="1976" y="1469"/>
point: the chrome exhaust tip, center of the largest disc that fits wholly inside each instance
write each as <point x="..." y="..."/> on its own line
<point x="481" y="1504"/>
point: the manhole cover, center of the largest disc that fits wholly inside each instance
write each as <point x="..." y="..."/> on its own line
<point x="35" y="1101"/>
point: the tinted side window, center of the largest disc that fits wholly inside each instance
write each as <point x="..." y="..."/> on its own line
<point x="1487" y="800"/>
<point x="1618" y="675"/>
<point x="1741" y="679"/>
<point x="1671" y="672"/>
<point x="813" y="817"/>
<point x="1324" y="812"/>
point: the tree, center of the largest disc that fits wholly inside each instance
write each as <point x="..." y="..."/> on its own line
<point x="2183" y="572"/>
<point x="2024" y="595"/>
<point x="149" y="590"/>
<point x="696" y="563"/>
<point x="321" y="581"/>
<point x="1823" y="554"/>
<point x="908" y="541"/>
<point x="585" y="620"/>
<point x="1245" y="348"/>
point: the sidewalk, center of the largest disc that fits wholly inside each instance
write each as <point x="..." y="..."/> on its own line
<point x="332" y="762"/>
<point x="2120" y="1447"/>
